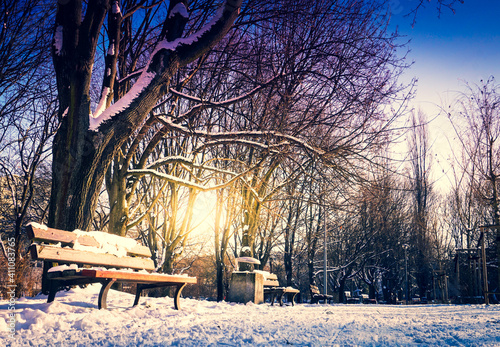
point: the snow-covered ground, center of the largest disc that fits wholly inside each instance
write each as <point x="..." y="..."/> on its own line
<point x="73" y="320"/>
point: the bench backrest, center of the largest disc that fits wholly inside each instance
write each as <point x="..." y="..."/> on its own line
<point x="87" y="248"/>
<point x="270" y="280"/>
<point x="314" y="289"/>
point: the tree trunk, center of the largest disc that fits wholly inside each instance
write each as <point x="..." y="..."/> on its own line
<point x="341" y="290"/>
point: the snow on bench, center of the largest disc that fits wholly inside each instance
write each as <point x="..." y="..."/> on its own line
<point x="108" y="259"/>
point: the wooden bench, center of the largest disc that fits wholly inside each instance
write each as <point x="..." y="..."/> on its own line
<point x="107" y="259"/>
<point x="316" y="296"/>
<point x="272" y="288"/>
<point x="349" y="299"/>
<point x="365" y="299"/>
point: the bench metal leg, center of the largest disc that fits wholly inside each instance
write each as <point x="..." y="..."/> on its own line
<point x="293" y="298"/>
<point x="53" y="289"/>
<point x="103" y="294"/>
<point x="137" y="294"/>
<point x="177" y="295"/>
<point x="272" y="298"/>
<point x="280" y="298"/>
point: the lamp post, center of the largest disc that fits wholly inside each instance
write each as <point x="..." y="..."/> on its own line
<point x="405" y="246"/>
<point x="325" y="261"/>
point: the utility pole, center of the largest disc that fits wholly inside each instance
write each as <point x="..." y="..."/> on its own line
<point x="484" y="229"/>
<point x="325" y="258"/>
<point x="485" y="270"/>
<point x="405" y="246"/>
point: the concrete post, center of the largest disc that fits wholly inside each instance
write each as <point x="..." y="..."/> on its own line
<point x="246" y="287"/>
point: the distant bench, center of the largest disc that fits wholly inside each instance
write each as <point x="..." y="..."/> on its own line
<point x="316" y="296"/>
<point x="272" y="288"/>
<point x="359" y="299"/>
<point x="107" y="253"/>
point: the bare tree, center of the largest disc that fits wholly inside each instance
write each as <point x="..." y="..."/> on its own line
<point x="27" y="123"/>
<point x="85" y="145"/>
<point x="421" y="234"/>
<point x="475" y="118"/>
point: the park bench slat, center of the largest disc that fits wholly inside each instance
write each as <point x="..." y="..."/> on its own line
<point x="271" y="283"/>
<point x="69" y="238"/>
<point x="69" y="255"/>
<point x="137" y="276"/>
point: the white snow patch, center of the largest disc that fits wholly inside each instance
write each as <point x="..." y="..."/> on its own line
<point x="111" y="49"/>
<point x="73" y="319"/>
<point x="63" y="268"/>
<point x="115" y="8"/>
<point x="58" y="39"/>
<point x="164" y="44"/>
<point x="143" y="81"/>
<point x="37" y="225"/>
<point x="109" y="243"/>
<point x="102" y="102"/>
<point x="179" y="9"/>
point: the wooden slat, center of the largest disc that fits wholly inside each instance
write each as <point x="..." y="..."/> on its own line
<point x="72" y="256"/>
<point x="69" y="238"/>
<point x="290" y="290"/>
<point x="55" y="235"/>
<point x="141" y="251"/>
<point x="137" y="276"/>
<point x="271" y="283"/>
<point x="272" y="277"/>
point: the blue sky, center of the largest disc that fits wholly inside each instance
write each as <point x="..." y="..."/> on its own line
<point x="448" y="50"/>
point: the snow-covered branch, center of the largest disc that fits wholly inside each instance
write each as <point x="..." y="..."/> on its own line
<point x="228" y="101"/>
<point x="139" y="100"/>
<point x="238" y="135"/>
<point x="180" y="181"/>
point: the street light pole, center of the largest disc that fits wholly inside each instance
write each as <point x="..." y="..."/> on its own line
<point x="485" y="270"/>
<point x="405" y="246"/>
<point x="325" y="259"/>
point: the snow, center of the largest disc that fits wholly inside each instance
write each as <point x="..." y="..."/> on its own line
<point x="143" y="82"/>
<point x="63" y="268"/>
<point x="38" y="226"/>
<point x="179" y="9"/>
<point x="102" y="102"/>
<point x="115" y="8"/>
<point x="58" y="39"/>
<point x="109" y="243"/>
<point x="172" y="45"/>
<point x="74" y="320"/>
<point x="111" y="49"/>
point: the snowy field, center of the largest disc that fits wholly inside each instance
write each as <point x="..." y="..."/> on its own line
<point x="73" y="320"/>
